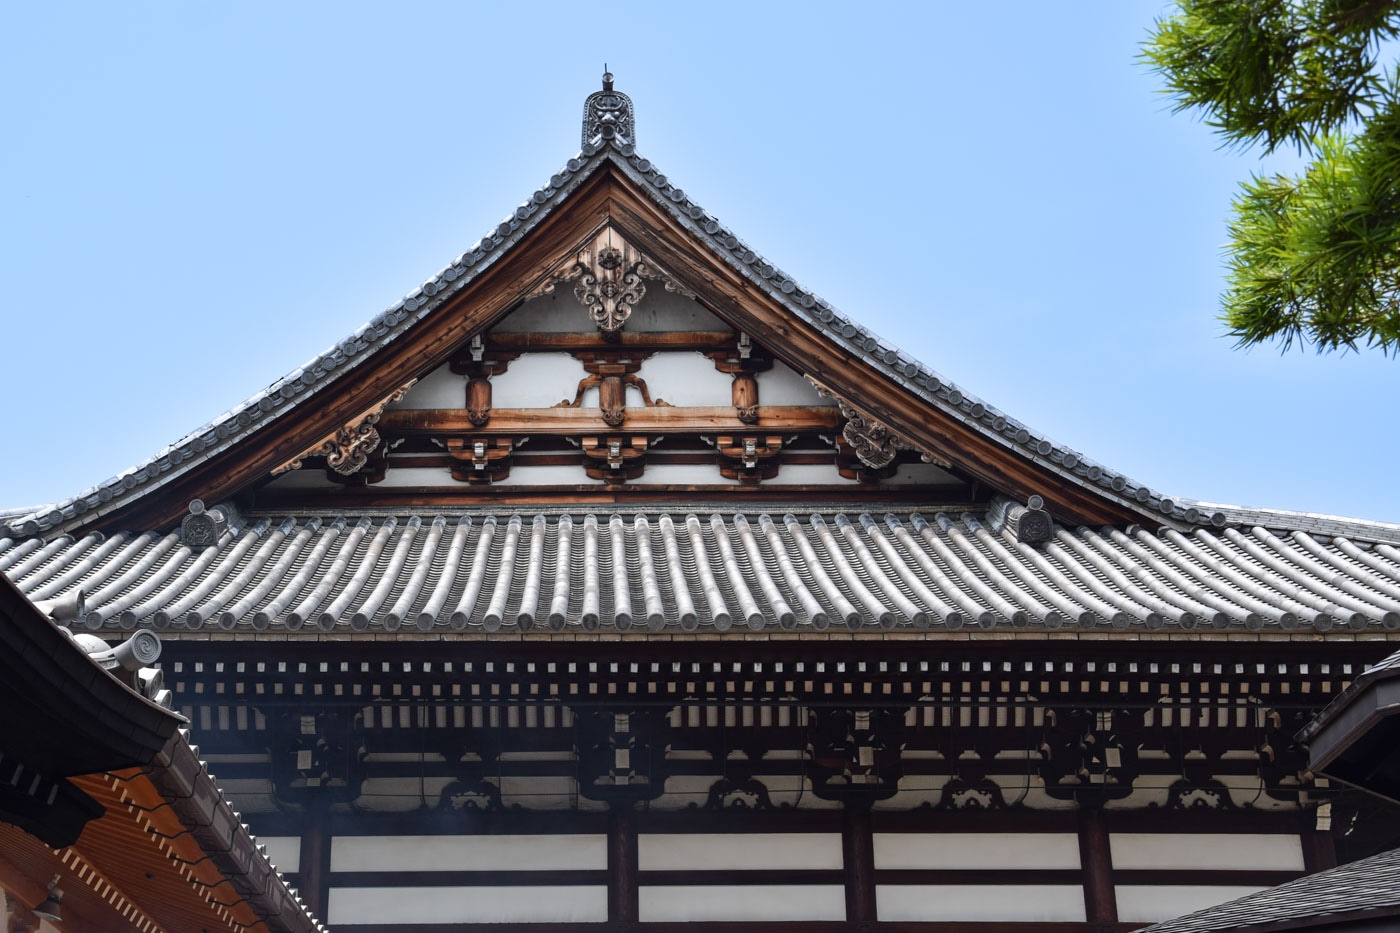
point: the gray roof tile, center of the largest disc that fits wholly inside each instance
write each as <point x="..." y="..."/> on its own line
<point x="946" y="570"/>
<point x="1364" y="890"/>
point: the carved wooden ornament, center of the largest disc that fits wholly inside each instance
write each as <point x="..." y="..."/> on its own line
<point x="348" y="449"/>
<point x="610" y="278"/>
<point x="873" y="441"/>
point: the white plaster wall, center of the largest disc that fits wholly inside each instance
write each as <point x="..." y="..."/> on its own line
<point x="537" y="380"/>
<point x="976" y="850"/>
<point x="441" y="388"/>
<point x="1142" y="903"/>
<point x="662" y="311"/>
<point x="1244" y="851"/>
<point x="784" y="386"/>
<point x="523" y="474"/>
<point x="283" y="851"/>
<point x="742" y="902"/>
<point x="754" y="851"/>
<point x="417" y="476"/>
<point x="1044" y="903"/>
<point x="561" y="313"/>
<point x="688" y="379"/>
<point x="524" y="904"/>
<point x="469" y="853"/>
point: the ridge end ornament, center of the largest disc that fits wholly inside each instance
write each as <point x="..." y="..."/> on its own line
<point x="608" y="117"/>
<point x="874" y="442"/>
<point x="347" y="450"/>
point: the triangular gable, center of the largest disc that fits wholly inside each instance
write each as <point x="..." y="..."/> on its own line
<point x="883" y="393"/>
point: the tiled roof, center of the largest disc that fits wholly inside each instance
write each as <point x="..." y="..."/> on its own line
<point x="325" y="370"/>
<point x="1386" y="668"/>
<point x="663" y="570"/>
<point x="1364" y="890"/>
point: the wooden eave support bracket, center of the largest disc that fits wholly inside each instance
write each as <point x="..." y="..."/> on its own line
<point x="347" y="450"/>
<point x="874" y="443"/>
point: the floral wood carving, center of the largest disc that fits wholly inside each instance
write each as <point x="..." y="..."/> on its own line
<point x="873" y="441"/>
<point x="610" y="277"/>
<point x="348" y="449"/>
<point x="610" y="289"/>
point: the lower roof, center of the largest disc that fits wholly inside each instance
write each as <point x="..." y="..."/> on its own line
<point x="671" y="570"/>
<point x="1351" y="896"/>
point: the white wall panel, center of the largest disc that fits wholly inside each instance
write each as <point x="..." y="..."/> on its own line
<point x="409" y="905"/>
<point x="1042" y="903"/>
<point x="536" y="380"/>
<point x="468" y="853"/>
<point x="687" y="379"/>
<point x="976" y="850"/>
<point x="757" y="851"/>
<point x="742" y="902"/>
<point x="1142" y="903"/>
<point x="1244" y="851"/>
<point x="283" y="851"/>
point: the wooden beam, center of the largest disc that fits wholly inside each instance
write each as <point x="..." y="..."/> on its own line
<point x="589" y="420"/>
<point x="622" y="340"/>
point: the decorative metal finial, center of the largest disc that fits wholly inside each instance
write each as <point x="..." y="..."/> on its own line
<point x="607" y="116"/>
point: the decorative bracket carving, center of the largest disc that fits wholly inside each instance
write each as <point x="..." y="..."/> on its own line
<point x="611" y="374"/>
<point x="875" y="444"/>
<point x="749" y="459"/>
<point x="348" y="449"/>
<point x="609" y="276"/>
<point x="614" y="459"/>
<point x="480" y="460"/>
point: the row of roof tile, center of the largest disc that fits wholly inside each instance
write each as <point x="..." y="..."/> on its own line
<point x="660" y="571"/>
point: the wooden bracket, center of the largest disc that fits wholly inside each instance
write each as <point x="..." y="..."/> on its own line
<point x="749" y="459"/>
<point x="480" y="460"/>
<point x="614" y="459"/>
<point x="348" y="449"/>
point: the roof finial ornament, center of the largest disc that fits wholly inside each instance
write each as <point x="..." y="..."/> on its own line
<point x="607" y="117"/>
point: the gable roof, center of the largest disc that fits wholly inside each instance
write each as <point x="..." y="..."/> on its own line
<point x="1009" y="455"/>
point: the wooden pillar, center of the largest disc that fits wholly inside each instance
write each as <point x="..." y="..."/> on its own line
<point x="1319" y="848"/>
<point x="315" y="867"/>
<point x="623" y="897"/>
<point x="858" y="857"/>
<point x="1096" y="863"/>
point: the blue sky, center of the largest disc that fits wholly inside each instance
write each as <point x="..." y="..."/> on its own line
<point x="196" y="198"/>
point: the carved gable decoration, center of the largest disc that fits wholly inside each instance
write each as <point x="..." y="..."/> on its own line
<point x="347" y="451"/>
<point x="610" y="277"/>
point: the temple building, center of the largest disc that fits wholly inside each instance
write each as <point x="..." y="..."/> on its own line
<point x="612" y="580"/>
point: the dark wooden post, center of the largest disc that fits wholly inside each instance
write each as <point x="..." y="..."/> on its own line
<point x="315" y="861"/>
<point x="1096" y="863"/>
<point x="623" y="897"/>
<point x="1319" y="848"/>
<point x="858" y="856"/>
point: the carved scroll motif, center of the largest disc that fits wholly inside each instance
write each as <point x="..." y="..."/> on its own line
<point x="874" y="443"/>
<point x="348" y="449"/>
<point x="610" y="289"/>
<point x="610" y="277"/>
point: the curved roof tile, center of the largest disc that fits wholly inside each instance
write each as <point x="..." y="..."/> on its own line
<point x="486" y="572"/>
